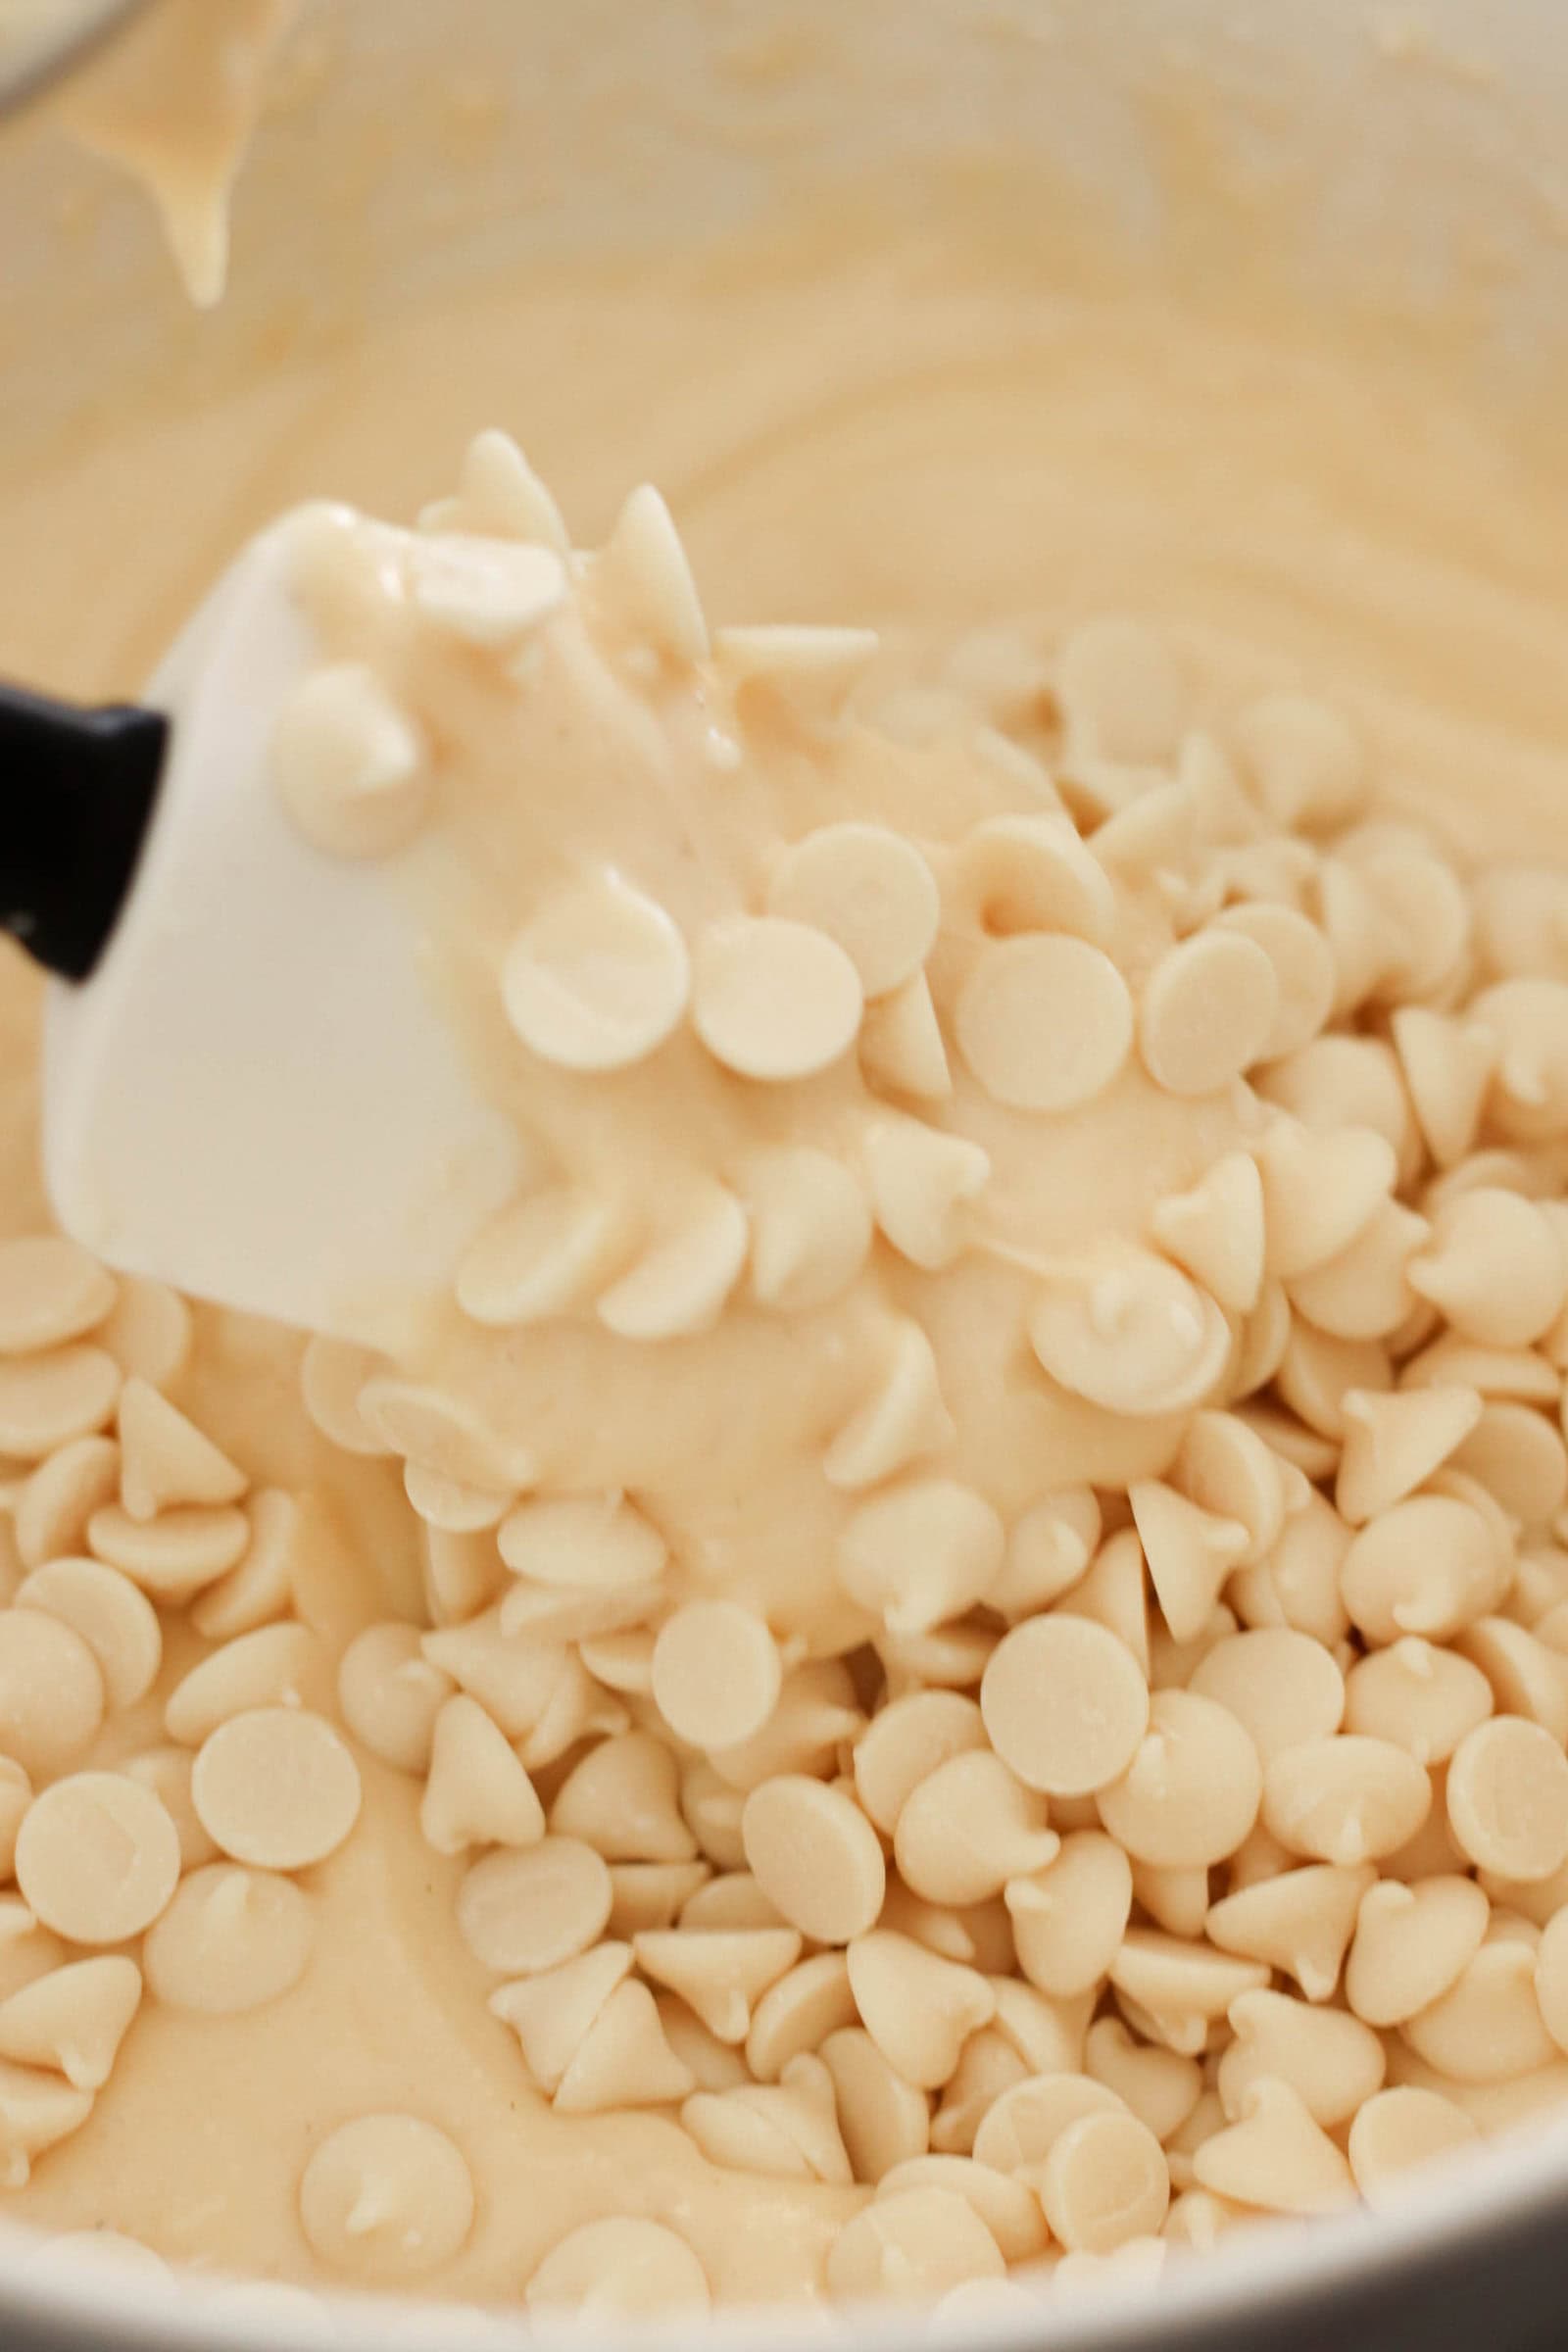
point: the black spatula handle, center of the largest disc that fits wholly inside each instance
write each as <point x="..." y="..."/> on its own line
<point x="76" y="791"/>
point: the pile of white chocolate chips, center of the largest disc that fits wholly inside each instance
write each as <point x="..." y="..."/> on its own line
<point x="995" y="1632"/>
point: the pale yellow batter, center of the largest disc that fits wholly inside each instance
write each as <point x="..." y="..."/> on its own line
<point x="985" y="462"/>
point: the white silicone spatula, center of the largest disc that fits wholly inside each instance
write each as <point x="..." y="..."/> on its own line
<point x="249" y="1090"/>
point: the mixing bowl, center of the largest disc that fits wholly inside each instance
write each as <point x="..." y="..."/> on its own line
<point x="1360" y="173"/>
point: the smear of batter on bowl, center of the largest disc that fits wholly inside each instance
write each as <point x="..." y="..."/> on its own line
<point x="989" y="1693"/>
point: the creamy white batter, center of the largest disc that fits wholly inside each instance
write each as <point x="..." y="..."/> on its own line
<point x="987" y="452"/>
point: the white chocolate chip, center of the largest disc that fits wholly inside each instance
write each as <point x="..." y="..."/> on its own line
<point x="1304" y="971"/>
<point x="501" y="496"/>
<point x="1400" y="2132"/>
<point x="786" y="2130"/>
<point x="919" y="2008"/>
<point x="1113" y="1593"/>
<point x="1392" y="1443"/>
<point x="716" y="1675"/>
<point x="276" y="1787"/>
<point x="1190" y="1791"/>
<point x="47" y="1399"/>
<point x="815" y="666"/>
<point x="1421" y="1698"/>
<point x="585" y="1544"/>
<point x="1552" y="1977"/>
<point x="1232" y="1472"/>
<point x="1215" y="1231"/>
<point x="1022" y="2125"/>
<point x="73" y="2020"/>
<point x="51" y="1690"/>
<point x="232" y="1940"/>
<point x="55" y="1504"/>
<point x="1426" y="1566"/>
<point x="1005" y="2206"/>
<point x="174" y="1556"/>
<point x="810" y="1227"/>
<point x="1364" y="1293"/>
<point x="148" y="1330"/>
<point x="1065" y="1705"/>
<point x="51" y="1290"/>
<point x="969" y="1827"/>
<point x="36" y="2112"/>
<point x="1320" y="1191"/>
<point x="15" y="1796"/>
<point x="521" y="1913"/>
<point x="97" y="1857"/>
<point x="166" y="1773"/>
<point x="1347" y="1799"/>
<point x="619" y="2267"/>
<point x="553" y="2014"/>
<point x="1447" y="1065"/>
<point x="332" y="1377"/>
<point x="451" y="1507"/>
<point x="1034" y="874"/>
<point x="544" y="1256"/>
<point x="644" y="574"/>
<point x="867" y="889"/>
<point x="1529" y="1019"/>
<point x="1494" y="1266"/>
<point x="166" y="1459"/>
<point x="1300" y="1921"/>
<point x="350" y="766"/>
<point x="920" y="1181"/>
<point x="1190" y="1553"/>
<point x="1519" y="1457"/>
<point x="1129" y="1333"/>
<point x="1275" y="2156"/>
<point x="623" y="1798"/>
<point x="1333" y="2062"/>
<point x="118" y="1623"/>
<point x="1045" y="1021"/>
<point x="906" y="1743"/>
<point x="1527" y="1676"/>
<point x="386" y="2197"/>
<point x="912" y="2246"/>
<point x="599" y="978"/>
<point x="487" y="591"/>
<point x="625" y="2059"/>
<point x="1068" y="1919"/>
<point x="391" y="1694"/>
<point x="1281" y="1685"/>
<point x="774" y="999"/>
<point x="277" y="1665"/>
<point x="1208" y="1008"/>
<point x="816" y="1857"/>
<point x="1047" y="1550"/>
<point x="1104" y="2182"/>
<point x="477" y="1793"/>
<point x="1411" y="1946"/>
<point x="920" y="1553"/>
<point x="685" y="1276"/>
<point x="719" y="1973"/>
<point x="797" y="2014"/>
<point x="1159" y="2087"/>
<point x="903" y="1417"/>
<point x="263" y="1586"/>
<point x="901" y="1045"/>
<point x="1507" y="1798"/>
<point x="1488" y="2027"/>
